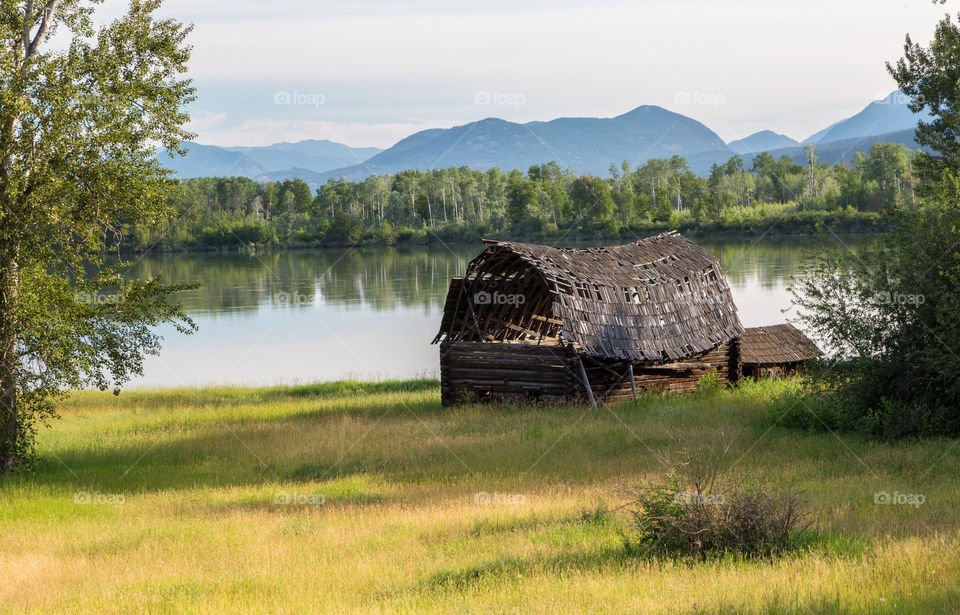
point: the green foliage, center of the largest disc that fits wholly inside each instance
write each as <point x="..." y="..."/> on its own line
<point x="709" y="382"/>
<point x="79" y="124"/>
<point x="893" y="313"/>
<point x="929" y="76"/>
<point x="547" y="202"/>
<point x="835" y="403"/>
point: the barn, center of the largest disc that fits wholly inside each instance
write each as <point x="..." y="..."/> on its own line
<point x="775" y="351"/>
<point x="532" y="322"/>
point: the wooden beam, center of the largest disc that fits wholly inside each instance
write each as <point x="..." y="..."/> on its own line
<point x="678" y="366"/>
<point x="586" y="383"/>
<point x="633" y="380"/>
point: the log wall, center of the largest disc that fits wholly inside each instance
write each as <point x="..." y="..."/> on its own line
<point x="478" y="371"/>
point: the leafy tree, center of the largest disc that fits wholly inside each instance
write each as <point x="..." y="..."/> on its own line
<point x="929" y="76"/>
<point x="893" y="312"/>
<point x="79" y="124"/>
<point x="590" y="197"/>
<point x="522" y="201"/>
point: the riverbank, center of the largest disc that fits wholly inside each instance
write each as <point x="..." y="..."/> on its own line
<point x="778" y="221"/>
<point x="355" y="497"/>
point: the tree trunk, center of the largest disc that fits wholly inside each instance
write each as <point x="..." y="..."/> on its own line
<point x="443" y="197"/>
<point x="9" y="425"/>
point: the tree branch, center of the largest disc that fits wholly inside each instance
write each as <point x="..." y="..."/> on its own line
<point x="26" y="26"/>
<point x="41" y="34"/>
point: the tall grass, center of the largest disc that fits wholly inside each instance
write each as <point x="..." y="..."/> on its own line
<point x="357" y="498"/>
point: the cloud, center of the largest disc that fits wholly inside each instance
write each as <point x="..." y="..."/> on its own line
<point x="790" y="67"/>
<point x="205" y="121"/>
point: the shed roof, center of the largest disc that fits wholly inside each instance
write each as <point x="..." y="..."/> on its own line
<point x="776" y="344"/>
<point x="659" y="299"/>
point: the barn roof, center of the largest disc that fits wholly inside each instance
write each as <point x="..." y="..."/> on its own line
<point x="776" y="344"/>
<point x="659" y="299"/>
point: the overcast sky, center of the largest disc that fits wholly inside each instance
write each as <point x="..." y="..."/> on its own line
<point x="370" y="72"/>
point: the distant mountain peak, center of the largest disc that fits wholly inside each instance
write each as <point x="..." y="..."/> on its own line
<point x="644" y="110"/>
<point x="763" y="141"/>
<point x="887" y="115"/>
<point x="586" y="144"/>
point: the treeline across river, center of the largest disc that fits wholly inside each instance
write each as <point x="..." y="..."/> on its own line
<point x="756" y="196"/>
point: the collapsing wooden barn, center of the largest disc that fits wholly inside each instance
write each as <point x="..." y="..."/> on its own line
<point x="554" y="324"/>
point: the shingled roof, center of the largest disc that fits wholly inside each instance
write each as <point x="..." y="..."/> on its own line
<point x="660" y="299"/>
<point x="776" y="344"/>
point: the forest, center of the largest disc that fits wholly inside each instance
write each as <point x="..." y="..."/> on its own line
<point x="743" y="197"/>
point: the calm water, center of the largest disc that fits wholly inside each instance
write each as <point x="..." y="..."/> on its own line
<point x="368" y="313"/>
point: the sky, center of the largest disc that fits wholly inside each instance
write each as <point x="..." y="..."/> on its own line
<point x="370" y="72"/>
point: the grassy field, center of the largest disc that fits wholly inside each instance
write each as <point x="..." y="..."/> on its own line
<point x="353" y="498"/>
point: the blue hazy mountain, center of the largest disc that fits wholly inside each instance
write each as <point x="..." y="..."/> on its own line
<point x="879" y="117"/>
<point x="588" y="145"/>
<point x="763" y="141"/>
<point x="211" y="161"/>
<point x="317" y="155"/>
<point x="268" y="162"/>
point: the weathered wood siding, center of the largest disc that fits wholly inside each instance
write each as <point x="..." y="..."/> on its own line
<point x="477" y="371"/>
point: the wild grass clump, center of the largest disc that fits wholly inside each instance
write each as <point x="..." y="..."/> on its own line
<point x="699" y="513"/>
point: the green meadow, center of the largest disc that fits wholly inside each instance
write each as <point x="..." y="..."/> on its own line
<point x="371" y="498"/>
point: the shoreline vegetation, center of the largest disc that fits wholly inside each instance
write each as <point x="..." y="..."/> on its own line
<point x="545" y="204"/>
<point x="804" y="224"/>
<point x="352" y="497"/>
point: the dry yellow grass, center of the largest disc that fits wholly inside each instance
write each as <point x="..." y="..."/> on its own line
<point x="358" y="499"/>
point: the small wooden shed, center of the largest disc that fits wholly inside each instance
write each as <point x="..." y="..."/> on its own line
<point x="554" y="324"/>
<point x="775" y="351"/>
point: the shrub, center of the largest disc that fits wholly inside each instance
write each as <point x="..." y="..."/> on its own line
<point x="848" y="400"/>
<point x="709" y="382"/>
<point x="698" y="513"/>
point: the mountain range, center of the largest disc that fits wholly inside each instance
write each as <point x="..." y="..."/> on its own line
<point x="267" y="162"/>
<point x="588" y="145"/>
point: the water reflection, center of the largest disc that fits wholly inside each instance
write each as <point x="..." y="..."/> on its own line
<point x="381" y="279"/>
